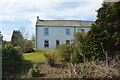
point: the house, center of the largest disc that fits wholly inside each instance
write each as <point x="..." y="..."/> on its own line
<point x="50" y="33"/>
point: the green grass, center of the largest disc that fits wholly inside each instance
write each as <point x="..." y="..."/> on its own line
<point x="37" y="56"/>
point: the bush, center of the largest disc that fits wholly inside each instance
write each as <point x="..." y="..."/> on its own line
<point x="19" y="49"/>
<point x="65" y="51"/>
<point x="11" y="60"/>
<point x="51" y="58"/>
<point x="34" y="72"/>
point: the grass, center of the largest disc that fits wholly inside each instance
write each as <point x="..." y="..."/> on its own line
<point x="37" y="56"/>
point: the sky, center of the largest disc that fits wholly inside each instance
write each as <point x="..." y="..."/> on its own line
<point x="22" y="14"/>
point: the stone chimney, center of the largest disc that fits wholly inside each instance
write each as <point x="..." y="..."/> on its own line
<point x="37" y="18"/>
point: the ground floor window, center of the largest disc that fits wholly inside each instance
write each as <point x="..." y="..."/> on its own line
<point x="57" y="42"/>
<point x="46" y="43"/>
<point x="67" y="41"/>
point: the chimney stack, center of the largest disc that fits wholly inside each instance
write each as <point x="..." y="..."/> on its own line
<point x="37" y="18"/>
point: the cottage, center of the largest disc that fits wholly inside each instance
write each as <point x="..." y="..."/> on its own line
<point x="50" y="33"/>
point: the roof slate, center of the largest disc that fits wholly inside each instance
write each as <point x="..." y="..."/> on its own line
<point x="63" y="23"/>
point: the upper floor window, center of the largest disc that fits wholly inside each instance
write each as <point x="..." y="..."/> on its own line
<point x="46" y="31"/>
<point x="67" y="31"/>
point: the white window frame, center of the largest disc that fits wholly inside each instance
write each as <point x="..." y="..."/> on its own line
<point x="45" y="44"/>
<point x="56" y="42"/>
<point x="67" y="41"/>
<point x="67" y="31"/>
<point x="46" y="31"/>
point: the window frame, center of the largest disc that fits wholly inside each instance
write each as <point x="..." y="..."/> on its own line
<point x="67" y="31"/>
<point x="82" y="30"/>
<point x="46" y="31"/>
<point x="58" y="41"/>
<point x="46" y="44"/>
<point x="67" y="41"/>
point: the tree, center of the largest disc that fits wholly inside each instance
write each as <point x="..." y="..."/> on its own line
<point x="103" y="39"/>
<point x="16" y="38"/>
<point x="19" y="41"/>
<point x="78" y="43"/>
<point x="33" y="39"/>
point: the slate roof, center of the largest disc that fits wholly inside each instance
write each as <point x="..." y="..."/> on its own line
<point x="111" y="0"/>
<point x="63" y="23"/>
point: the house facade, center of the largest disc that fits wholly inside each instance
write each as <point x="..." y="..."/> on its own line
<point x="50" y="33"/>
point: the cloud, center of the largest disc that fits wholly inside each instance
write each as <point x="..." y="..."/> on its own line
<point x="6" y="35"/>
<point x="27" y="11"/>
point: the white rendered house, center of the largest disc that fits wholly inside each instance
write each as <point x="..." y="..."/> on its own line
<point x="50" y="33"/>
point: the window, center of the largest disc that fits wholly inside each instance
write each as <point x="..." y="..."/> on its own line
<point x="46" y="31"/>
<point x="67" y="41"/>
<point x="46" y="43"/>
<point x="67" y="31"/>
<point x="82" y="30"/>
<point x="57" y="42"/>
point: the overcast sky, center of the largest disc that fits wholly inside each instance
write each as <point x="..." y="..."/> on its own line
<point x="22" y="14"/>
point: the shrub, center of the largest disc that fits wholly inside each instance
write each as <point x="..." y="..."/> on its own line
<point x="28" y="46"/>
<point x="65" y="51"/>
<point x="51" y="58"/>
<point x="19" y="49"/>
<point x="34" y="72"/>
<point x="11" y="60"/>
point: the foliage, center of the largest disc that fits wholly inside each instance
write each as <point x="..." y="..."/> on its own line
<point x="34" y="72"/>
<point x="77" y="45"/>
<point x="19" y="49"/>
<point x="51" y="58"/>
<point x="9" y="53"/>
<point x="28" y="46"/>
<point x="11" y="59"/>
<point x="66" y="51"/>
<point x="33" y="39"/>
<point x="92" y="70"/>
<point x="103" y="39"/>
<point x="16" y="38"/>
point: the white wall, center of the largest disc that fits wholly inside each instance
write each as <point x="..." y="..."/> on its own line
<point x="55" y="33"/>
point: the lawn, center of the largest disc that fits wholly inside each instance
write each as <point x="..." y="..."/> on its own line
<point x="37" y="56"/>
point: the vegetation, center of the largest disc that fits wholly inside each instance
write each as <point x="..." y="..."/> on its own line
<point x="65" y="51"/>
<point x="51" y="58"/>
<point x="34" y="72"/>
<point x="11" y="59"/>
<point x="18" y="40"/>
<point x="103" y="39"/>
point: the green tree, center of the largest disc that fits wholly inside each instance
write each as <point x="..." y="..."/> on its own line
<point x="18" y="41"/>
<point x="33" y="40"/>
<point x="78" y="43"/>
<point x="103" y="39"/>
<point x="17" y="38"/>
